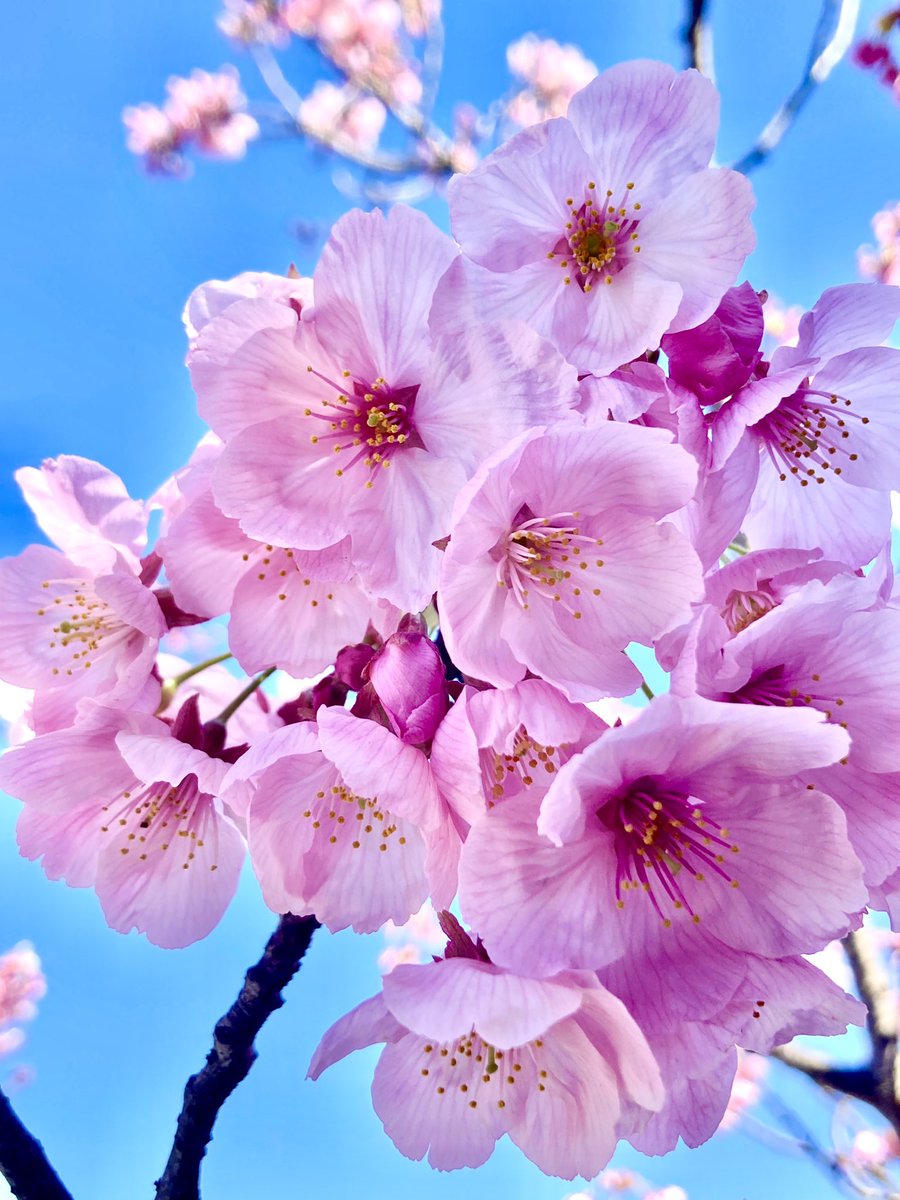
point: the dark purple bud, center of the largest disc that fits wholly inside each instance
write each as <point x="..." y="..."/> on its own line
<point x="719" y="356"/>
<point x="350" y="664"/>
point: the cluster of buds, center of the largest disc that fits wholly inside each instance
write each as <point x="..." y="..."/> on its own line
<point x="552" y="74"/>
<point x="205" y="111"/>
<point x="882" y="261"/>
<point x="22" y="984"/>
<point x="875" y="54"/>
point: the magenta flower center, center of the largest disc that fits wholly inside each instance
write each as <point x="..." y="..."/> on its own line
<point x="600" y="237"/>
<point x="473" y="1070"/>
<point x="773" y="688"/>
<point x="549" y="557"/>
<point x="809" y="435"/>
<point x="662" y="838"/>
<point x="371" y="421"/>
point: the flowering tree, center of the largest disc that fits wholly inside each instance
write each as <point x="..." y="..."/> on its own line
<point x="448" y="484"/>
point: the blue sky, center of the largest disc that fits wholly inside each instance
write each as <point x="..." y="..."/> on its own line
<point x="98" y="260"/>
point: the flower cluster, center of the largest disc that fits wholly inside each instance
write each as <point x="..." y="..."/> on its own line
<point x="875" y="53"/>
<point x="22" y="984"/>
<point x="552" y="74"/>
<point x="449" y="482"/>
<point x="204" y="111"/>
<point x="882" y="262"/>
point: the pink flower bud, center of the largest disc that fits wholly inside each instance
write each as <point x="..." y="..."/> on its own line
<point x="408" y="677"/>
<point x="718" y="357"/>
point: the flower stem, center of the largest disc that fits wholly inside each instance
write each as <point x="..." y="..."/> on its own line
<point x="248" y="691"/>
<point x="171" y="686"/>
<point x="646" y="689"/>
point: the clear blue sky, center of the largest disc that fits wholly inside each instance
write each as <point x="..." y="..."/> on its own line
<point x="98" y="260"/>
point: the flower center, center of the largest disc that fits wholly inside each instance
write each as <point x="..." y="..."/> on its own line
<point x="505" y="775"/>
<point x="549" y="557"/>
<point x="82" y="627"/>
<point x="808" y="434"/>
<point x="772" y="689"/>
<point x="480" y="1074"/>
<point x="351" y="818"/>
<point x="743" y="608"/>
<point x="162" y="818"/>
<point x="600" y="237"/>
<point x="663" y="837"/>
<point x="371" y="420"/>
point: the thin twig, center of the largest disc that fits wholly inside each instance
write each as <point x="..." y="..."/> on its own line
<point x="232" y="1055"/>
<point x="23" y="1162"/>
<point x="698" y="39"/>
<point x="831" y="40"/>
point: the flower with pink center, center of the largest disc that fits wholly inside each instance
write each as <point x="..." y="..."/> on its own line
<point x="474" y="1052"/>
<point x="670" y="834"/>
<point x="83" y="622"/>
<point x="557" y="549"/>
<point x="344" y="822"/>
<point x="495" y="745"/>
<point x="358" y="421"/>
<point x="823" y="422"/>
<point x="126" y="804"/>
<point x="737" y="595"/>
<point x="825" y="648"/>
<point x="606" y="228"/>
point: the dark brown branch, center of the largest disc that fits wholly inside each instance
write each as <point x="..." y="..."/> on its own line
<point x="858" y="1082"/>
<point x="23" y="1162"/>
<point x="232" y="1055"/>
<point x="875" y="991"/>
<point x="830" y="42"/>
<point x="698" y="38"/>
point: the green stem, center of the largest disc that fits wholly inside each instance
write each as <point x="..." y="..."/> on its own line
<point x="645" y="688"/>
<point x="248" y="691"/>
<point x="171" y="686"/>
<point x="178" y="680"/>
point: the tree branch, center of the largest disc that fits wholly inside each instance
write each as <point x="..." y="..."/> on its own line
<point x="875" y="991"/>
<point x="831" y="40"/>
<point x="858" y="1082"/>
<point x="698" y="41"/>
<point x="23" y="1162"/>
<point x="231" y="1057"/>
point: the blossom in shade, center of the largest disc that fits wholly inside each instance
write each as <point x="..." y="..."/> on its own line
<point x="494" y="745"/>
<point x="665" y="837"/>
<point x="126" y="803"/>
<point x="359" y="421"/>
<point x="557" y="550"/>
<point x="474" y="1052"/>
<point x="294" y="609"/>
<point x="823" y="422"/>
<point x="344" y="821"/>
<point x="606" y="228"/>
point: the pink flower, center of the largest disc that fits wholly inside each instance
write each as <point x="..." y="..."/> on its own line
<point x="717" y="357"/>
<point x="344" y="821"/>
<point x="671" y="833"/>
<point x="207" y="108"/>
<point x="82" y="623"/>
<point x="474" y="1052"/>
<point x="557" y="560"/>
<point x="825" y="648"/>
<point x="587" y="225"/>
<point x="496" y="745"/>
<point x="554" y="73"/>
<point x="823" y="421"/>
<point x="358" y="421"/>
<point x="407" y="676"/>
<point x="154" y="136"/>
<point x="125" y="803"/>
